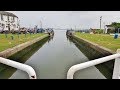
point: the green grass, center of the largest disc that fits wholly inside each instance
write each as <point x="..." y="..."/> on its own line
<point x="102" y="39"/>
<point x="6" y="43"/>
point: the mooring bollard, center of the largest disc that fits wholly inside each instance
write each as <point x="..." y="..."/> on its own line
<point x="25" y="34"/>
<point x="18" y="35"/>
<point x="5" y="35"/>
<point x="12" y="37"/>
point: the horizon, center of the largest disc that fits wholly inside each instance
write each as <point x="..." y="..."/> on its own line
<point x="67" y="19"/>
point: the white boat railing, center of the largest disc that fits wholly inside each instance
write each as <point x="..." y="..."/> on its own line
<point x="17" y="65"/>
<point x="116" y="71"/>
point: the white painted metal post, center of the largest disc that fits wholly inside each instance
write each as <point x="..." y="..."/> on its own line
<point x="116" y="71"/>
<point x="84" y="65"/>
<point x="23" y="67"/>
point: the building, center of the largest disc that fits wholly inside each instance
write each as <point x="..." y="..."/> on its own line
<point x="114" y="27"/>
<point x="8" y="21"/>
<point x="109" y="28"/>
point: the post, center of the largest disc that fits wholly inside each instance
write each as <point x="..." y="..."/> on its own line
<point x="104" y="28"/>
<point x="25" y="34"/>
<point x="6" y="34"/>
<point x="116" y="71"/>
<point x="30" y="33"/>
<point x="100" y="22"/>
<point x="12" y="37"/>
<point x="18" y="34"/>
<point x="41" y="24"/>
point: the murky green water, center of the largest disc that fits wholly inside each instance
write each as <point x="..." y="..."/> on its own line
<point x="51" y="59"/>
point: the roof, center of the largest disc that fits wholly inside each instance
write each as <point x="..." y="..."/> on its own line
<point x="109" y="25"/>
<point x="7" y="13"/>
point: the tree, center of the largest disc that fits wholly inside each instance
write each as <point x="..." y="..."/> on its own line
<point x="110" y="31"/>
<point x="115" y="24"/>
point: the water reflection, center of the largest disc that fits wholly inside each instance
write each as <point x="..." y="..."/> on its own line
<point x="50" y="38"/>
<point x="105" y="68"/>
<point x="21" y="56"/>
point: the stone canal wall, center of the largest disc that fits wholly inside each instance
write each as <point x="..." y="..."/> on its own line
<point x="7" y="53"/>
<point x="95" y="46"/>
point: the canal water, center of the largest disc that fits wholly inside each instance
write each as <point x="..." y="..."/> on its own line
<point x="51" y="59"/>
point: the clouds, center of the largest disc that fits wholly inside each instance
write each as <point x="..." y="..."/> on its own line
<point x="67" y="19"/>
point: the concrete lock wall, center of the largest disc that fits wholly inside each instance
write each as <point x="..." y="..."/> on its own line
<point x="11" y="51"/>
<point x="95" y="46"/>
<point x="94" y="51"/>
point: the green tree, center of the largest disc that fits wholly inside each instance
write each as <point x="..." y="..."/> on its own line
<point x="115" y="24"/>
<point x="98" y="31"/>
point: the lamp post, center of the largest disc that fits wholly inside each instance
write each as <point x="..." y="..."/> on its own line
<point x="100" y="22"/>
<point x="18" y="28"/>
<point x="19" y="25"/>
<point x="41" y="24"/>
<point x="75" y="27"/>
<point x="104" y="28"/>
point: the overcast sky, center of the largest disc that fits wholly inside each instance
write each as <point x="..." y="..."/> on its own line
<point x="67" y="19"/>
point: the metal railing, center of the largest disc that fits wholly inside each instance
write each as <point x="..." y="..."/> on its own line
<point x="23" y="67"/>
<point x="116" y="71"/>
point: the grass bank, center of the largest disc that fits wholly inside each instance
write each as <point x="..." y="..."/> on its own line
<point x="101" y="39"/>
<point x="13" y="40"/>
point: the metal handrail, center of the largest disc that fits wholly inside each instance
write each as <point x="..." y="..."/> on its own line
<point x="87" y="64"/>
<point x="23" y="67"/>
